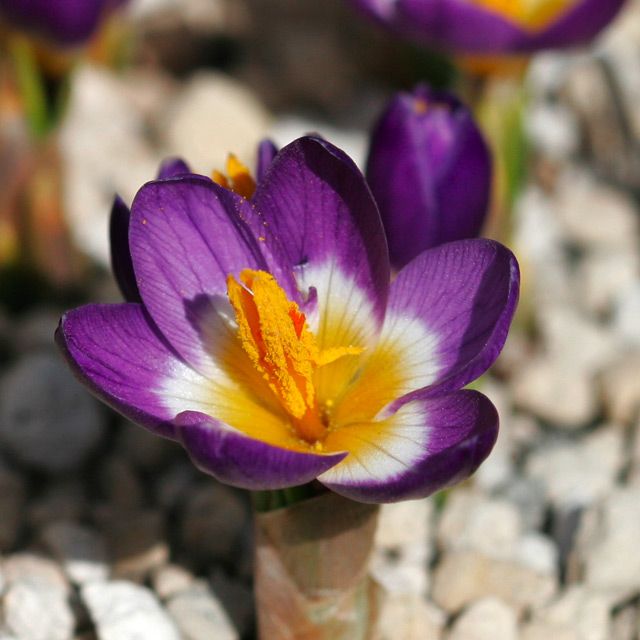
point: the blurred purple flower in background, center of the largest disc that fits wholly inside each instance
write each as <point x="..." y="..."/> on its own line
<point x="494" y="26"/>
<point x="65" y="23"/>
<point x="429" y="169"/>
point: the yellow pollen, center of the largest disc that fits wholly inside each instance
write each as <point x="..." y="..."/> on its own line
<point x="275" y="335"/>
<point x="529" y="14"/>
<point x="238" y="178"/>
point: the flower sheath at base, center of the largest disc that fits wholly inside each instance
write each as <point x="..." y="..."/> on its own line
<point x="494" y="26"/>
<point x="270" y="342"/>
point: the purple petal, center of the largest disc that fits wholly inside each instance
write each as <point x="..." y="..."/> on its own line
<point x="465" y="294"/>
<point x="233" y="458"/>
<point x="172" y="167"/>
<point x="117" y="352"/>
<point x="318" y="205"/>
<point x="459" y="25"/>
<point x="579" y="25"/>
<point x="186" y="236"/>
<point x="64" y="22"/>
<point x="453" y="435"/>
<point x="121" y="264"/>
<point x="429" y="169"/>
<point x="267" y="151"/>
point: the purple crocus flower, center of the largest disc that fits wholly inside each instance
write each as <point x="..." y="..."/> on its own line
<point x="271" y="343"/>
<point x="494" y="26"/>
<point x="61" y="22"/>
<point x="429" y="169"/>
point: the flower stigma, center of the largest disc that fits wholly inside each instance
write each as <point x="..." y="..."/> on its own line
<point x="238" y="178"/>
<point x="275" y="335"/>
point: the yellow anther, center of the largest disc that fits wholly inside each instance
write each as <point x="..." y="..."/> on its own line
<point x="275" y="335"/>
<point x="238" y="178"/>
<point x="530" y="14"/>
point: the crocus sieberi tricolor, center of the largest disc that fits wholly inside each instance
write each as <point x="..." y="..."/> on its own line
<point x="63" y="23"/>
<point x="429" y="169"/>
<point x="271" y="342"/>
<point x="494" y="26"/>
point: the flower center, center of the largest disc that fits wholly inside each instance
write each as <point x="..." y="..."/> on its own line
<point x="237" y="179"/>
<point x="530" y="14"/>
<point x="275" y="335"/>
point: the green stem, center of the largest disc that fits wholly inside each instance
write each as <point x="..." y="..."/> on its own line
<point x="31" y="86"/>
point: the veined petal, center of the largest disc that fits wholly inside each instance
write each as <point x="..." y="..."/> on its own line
<point x="236" y="459"/>
<point x="428" y="444"/>
<point x="318" y="205"/>
<point x="463" y="295"/>
<point x="121" y="264"/>
<point x="118" y="353"/>
<point x="186" y="236"/>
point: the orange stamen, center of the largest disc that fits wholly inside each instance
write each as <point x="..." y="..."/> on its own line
<point x="275" y="335"/>
<point x="237" y="179"/>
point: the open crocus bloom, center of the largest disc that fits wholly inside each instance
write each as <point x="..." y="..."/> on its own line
<point x="495" y="26"/>
<point x="270" y="342"/>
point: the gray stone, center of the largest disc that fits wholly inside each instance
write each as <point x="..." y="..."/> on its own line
<point x="470" y="521"/>
<point x="35" y="329"/>
<point x="81" y="551"/>
<point x="462" y="577"/>
<point x="605" y="277"/>
<point x="577" y="613"/>
<point x="36" y="611"/>
<point x="403" y="547"/>
<point x="554" y="391"/>
<point x="578" y="474"/>
<point x="199" y="616"/>
<point x="538" y="552"/>
<point x="238" y="126"/>
<point x="487" y="619"/>
<point x="142" y="448"/>
<point x="528" y="495"/>
<point x="626" y="314"/>
<point x="621" y="388"/>
<point x="625" y="624"/>
<point x="594" y="215"/>
<point x="136" y="543"/>
<point x="410" y="617"/>
<point x="64" y="500"/>
<point x="237" y="599"/>
<point x="608" y="544"/>
<point x="121" y="484"/>
<point x="170" y="580"/>
<point x="576" y="340"/>
<point x="47" y="419"/>
<point x="36" y="571"/>
<point x="12" y="499"/>
<point x="213" y="522"/>
<point x="124" y="611"/>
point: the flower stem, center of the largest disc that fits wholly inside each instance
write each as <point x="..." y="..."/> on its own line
<point x="312" y="580"/>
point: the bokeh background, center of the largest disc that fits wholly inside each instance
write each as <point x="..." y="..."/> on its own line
<point x="109" y="533"/>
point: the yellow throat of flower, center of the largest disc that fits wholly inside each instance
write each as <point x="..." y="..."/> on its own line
<point x="531" y="15"/>
<point x="238" y="178"/>
<point x="275" y="335"/>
